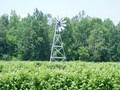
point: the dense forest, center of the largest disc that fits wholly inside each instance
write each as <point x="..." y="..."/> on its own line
<point x="85" y="38"/>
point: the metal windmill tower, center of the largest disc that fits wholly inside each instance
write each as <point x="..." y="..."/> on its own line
<point x="57" y="50"/>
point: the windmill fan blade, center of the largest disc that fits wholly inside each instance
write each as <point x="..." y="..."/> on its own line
<point x="58" y="18"/>
<point x="63" y="21"/>
<point x="59" y="29"/>
<point x="62" y="28"/>
<point x="64" y="25"/>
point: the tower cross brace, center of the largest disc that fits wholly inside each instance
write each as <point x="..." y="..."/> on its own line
<point x="57" y="50"/>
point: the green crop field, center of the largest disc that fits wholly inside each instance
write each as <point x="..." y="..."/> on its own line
<point x="27" y="75"/>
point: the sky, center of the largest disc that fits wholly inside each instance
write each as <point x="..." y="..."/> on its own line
<point x="64" y="8"/>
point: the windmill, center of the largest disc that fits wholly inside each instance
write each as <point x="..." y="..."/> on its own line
<point x="57" y="50"/>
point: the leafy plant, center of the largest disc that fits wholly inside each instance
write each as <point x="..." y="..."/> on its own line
<point x="59" y="75"/>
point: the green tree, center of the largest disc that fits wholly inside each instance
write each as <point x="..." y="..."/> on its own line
<point x="11" y="34"/>
<point x="112" y="37"/>
<point x="4" y="22"/>
<point x="97" y="43"/>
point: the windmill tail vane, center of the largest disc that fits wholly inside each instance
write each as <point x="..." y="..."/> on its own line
<point x="57" y="50"/>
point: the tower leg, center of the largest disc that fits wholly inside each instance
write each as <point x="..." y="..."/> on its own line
<point x="57" y="50"/>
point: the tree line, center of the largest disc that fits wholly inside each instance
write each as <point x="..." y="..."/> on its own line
<point x="84" y="38"/>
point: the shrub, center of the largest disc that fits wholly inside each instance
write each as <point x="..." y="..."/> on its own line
<point x="59" y="76"/>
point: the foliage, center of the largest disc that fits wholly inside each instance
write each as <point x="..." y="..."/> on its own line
<point x="59" y="76"/>
<point x="83" y="54"/>
<point x="85" y="38"/>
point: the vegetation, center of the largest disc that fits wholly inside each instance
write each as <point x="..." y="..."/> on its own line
<point x="26" y="75"/>
<point x="85" y="38"/>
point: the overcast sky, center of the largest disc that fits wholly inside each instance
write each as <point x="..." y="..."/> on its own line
<point x="95" y="8"/>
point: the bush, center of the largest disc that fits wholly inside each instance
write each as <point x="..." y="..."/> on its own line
<point x="59" y="76"/>
<point x="83" y="54"/>
<point x="6" y="57"/>
<point x="14" y="58"/>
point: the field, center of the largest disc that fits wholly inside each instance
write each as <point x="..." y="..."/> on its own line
<point x="28" y="75"/>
